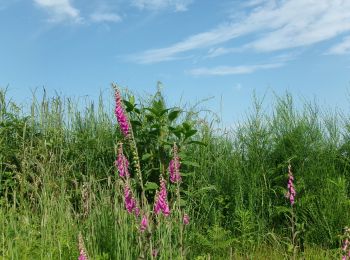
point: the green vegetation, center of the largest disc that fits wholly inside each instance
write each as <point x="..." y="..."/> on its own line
<point x="57" y="178"/>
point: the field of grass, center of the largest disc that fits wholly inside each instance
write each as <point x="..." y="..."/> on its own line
<point x="58" y="180"/>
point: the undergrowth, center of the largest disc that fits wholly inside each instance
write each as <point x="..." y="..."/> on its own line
<point x="57" y="179"/>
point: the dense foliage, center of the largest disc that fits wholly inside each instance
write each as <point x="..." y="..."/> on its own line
<point x="57" y="179"/>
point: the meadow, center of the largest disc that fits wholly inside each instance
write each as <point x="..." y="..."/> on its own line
<point x="72" y="169"/>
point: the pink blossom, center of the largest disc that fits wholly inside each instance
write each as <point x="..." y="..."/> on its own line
<point x="186" y="219"/>
<point x="81" y="246"/>
<point x="291" y="190"/>
<point x="345" y="247"/>
<point x="122" y="163"/>
<point x="130" y="202"/>
<point x="154" y="252"/>
<point x="144" y="223"/>
<point x="120" y="114"/>
<point x="82" y="255"/>
<point x="174" y="167"/>
<point x="161" y="203"/>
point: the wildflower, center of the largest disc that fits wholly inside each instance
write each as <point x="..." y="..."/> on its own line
<point x="161" y="203"/>
<point x="122" y="163"/>
<point x="130" y="202"/>
<point x="186" y="219"/>
<point x="174" y="167"/>
<point x="144" y="223"/>
<point x="346" y="243"/>
<point x="154" y="252"/>
<point x="82" y="251"/>
<point x="137" y="211"/>
<point x="291" y="190"/>
<point x="120" y="114"/>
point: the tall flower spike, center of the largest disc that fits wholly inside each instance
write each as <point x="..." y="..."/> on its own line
<point x="82" y="250"/>
<point x="120" y="114"/>
<point x="144" y="223"/>
<point x="122" y="162"/>
<point x="161" y="201"/>
<point x="291" y="190"/>
<point x="346" y="244"/>
<point x="130" y="202"/>
<point x="186" y="219"/>
<point x="174" y="166"/>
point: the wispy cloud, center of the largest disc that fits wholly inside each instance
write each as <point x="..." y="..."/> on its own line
<point x="60" y="10"/>
<point x="219" y="51"/>
<point x="105" y="17"/>
<point x="231" y="70"/>
<point x="280" y="24"/>
<point x="341" y="48"/>
<point x="156" y="5"/>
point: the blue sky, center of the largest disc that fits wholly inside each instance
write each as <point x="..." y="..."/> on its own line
<point x="196" y="48"/>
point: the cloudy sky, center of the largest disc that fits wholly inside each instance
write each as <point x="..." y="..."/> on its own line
<point x="196" y="48"/>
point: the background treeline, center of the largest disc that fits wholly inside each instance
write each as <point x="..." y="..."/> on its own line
<point x="57" y="178"/>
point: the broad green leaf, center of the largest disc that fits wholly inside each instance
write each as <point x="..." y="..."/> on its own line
<point x="151" y="186"/>
<point x="173" y="115"/>
<point x="146" y="156"/>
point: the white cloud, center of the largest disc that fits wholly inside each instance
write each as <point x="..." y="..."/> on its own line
<point x="231" y="70"/>
<point x="341" y="48"/>
<point x="60" y="10"/>
<point x="219" y="51"/>
<point x="156" y="5"/>
<point x="278" y="25"/>
<point x="105" y="17"/>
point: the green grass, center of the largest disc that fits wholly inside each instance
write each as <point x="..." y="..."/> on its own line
<point x="57" y="179"/>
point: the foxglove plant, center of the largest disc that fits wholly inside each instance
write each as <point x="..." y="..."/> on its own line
<point x="122" y="163"/>
<point x="161" y="200"/>
<point x="291" y="190"/>
<point x="144" y="223"/>
<point x="186" y="219"/>
<point x="291" y="193"/>
<point x="346" y="245"/>
<point x="120" y="114"/>
<point x="174" y="166"/>
<point x="130" y="201"/>
<point x="82" y="250"/>
<point x="145" y="219"/>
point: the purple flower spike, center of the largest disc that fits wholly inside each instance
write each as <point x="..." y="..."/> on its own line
<point x="291" y="190"/>
<point x="120" y="115"/>
<point x="186" y="219"/>
<point x="122" y="163"/>
<point x="130" y="202"/>
<point x="144" y="223"/>
<point x="81" y="246"/>
<point x="82" y="256"/>
<point x="174" y="166"/>
<point x="161" y="202"/>
<point x="346" y="243"/>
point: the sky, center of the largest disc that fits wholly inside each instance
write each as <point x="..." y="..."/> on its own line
<point x="223" y="51"/>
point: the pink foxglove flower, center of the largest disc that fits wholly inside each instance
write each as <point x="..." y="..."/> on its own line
<point x="291" y="190"/>
<point x="144" y="223"/>
<point x="120" y="114"/>
<point x="174" y="166"/>
<point x="82" y="256"/>
<point x="154" y="252"/>
<point x="82" y="251"/>
<point x="122" y="163"/>
<point x="186" y="219"/>
<point x="130" y="202"/>
<point x="346" y="243"/>
<point x="161" y="201"/>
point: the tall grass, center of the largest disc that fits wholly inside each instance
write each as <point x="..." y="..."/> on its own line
<point x="58" y="179"/>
